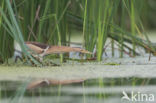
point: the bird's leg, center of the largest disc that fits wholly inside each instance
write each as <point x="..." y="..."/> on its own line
<point x="40" y="56"/>
<point x="17" y="57"/>
<point x="44" y="52"/>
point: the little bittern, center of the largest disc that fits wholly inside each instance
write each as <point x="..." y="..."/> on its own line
<point x="44" y="49"/>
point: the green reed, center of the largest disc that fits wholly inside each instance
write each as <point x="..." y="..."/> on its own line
<point x="59" y="93"/>
<point x="13" y="28"/>
<point x="0" y="94"/>
<point x="132" y="16"/>
<point x="84" y="94"/>
<point x="51" y="22"/>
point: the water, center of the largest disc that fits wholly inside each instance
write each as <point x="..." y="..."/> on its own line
<point x="101" y="90"/>
<point x="102" y="82"/>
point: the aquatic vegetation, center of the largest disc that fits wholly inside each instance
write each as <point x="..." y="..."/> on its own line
<point x="52" y="22"/>
<point x="118" y="25"/>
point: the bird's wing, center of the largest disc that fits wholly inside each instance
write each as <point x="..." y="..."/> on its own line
<point x="35" y="48"/>
<point x="65" y="49"/>
<point x="41" y="45"/>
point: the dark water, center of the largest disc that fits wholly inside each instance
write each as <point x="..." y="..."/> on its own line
<point x="101" y="90"/>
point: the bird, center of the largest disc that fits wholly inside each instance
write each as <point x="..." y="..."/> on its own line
<point x="42" y="49"/>
<point x="47" y="82"/>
